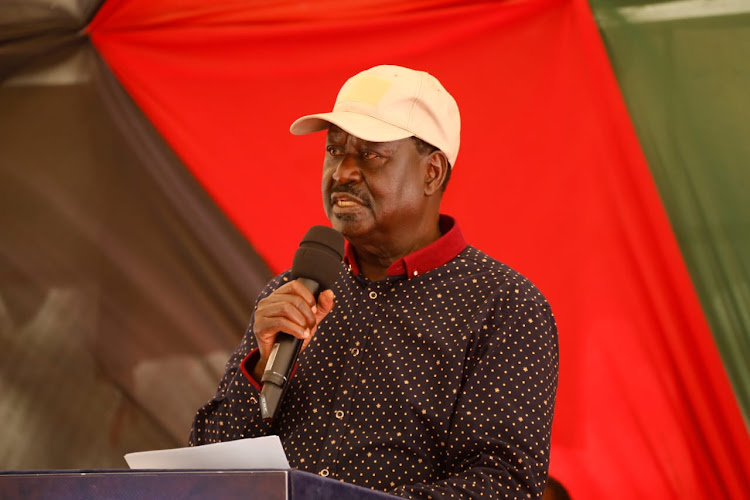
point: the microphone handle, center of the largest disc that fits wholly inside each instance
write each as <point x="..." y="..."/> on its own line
<point x="280" y="365"/>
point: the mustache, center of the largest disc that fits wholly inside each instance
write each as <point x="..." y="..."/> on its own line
<point x="354" y="191"/>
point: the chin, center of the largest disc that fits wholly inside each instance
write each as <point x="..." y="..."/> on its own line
<point x="349" y="225"/>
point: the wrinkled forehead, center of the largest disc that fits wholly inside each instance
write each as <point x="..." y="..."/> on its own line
<point x="337" y="134"/>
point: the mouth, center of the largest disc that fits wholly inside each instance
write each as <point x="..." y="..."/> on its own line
<point x="342" y="200"/>
<point x="345" y="203"/>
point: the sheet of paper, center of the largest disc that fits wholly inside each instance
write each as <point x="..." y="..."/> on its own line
<point x="251" y="453"/>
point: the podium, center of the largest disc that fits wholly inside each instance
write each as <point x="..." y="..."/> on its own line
<point x="178" y="485"/>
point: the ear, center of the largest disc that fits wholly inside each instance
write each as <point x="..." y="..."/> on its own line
<point x="437" y="169"/>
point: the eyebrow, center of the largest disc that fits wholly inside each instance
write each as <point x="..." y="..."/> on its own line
<point x="334" y="131"/>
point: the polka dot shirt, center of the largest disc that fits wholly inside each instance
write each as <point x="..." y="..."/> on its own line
<point x="436" y="382"/>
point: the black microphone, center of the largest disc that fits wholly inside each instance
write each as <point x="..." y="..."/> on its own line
<point x="316" y="264"/>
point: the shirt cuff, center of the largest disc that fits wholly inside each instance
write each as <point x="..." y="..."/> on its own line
<point x="251" y="360"/>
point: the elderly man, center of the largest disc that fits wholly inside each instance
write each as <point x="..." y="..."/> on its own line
<point x="430" y="369"/>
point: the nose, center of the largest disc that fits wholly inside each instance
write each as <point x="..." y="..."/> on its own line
<point x="347" y="170"/>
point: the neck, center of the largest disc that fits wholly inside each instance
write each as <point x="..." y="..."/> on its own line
<point x="374" y="259"/>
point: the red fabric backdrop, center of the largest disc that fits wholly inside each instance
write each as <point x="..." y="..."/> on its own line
<point x="550" y="179"/>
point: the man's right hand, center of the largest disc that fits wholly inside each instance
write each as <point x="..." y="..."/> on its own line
<point x="291" y="309"/>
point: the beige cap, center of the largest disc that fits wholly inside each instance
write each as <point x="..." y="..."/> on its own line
<point x="387" y="103"/>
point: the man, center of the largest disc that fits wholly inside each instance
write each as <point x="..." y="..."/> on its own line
<point x="430" y="369"/>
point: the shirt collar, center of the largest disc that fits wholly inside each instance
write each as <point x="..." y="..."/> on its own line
<point x="434" y="255"/>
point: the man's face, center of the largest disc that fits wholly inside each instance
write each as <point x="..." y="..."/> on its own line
<point x="373" y="192"/>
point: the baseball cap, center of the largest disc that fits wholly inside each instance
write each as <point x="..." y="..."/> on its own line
<point x="387" y="103"/>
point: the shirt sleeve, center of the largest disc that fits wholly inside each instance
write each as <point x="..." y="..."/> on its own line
<point x="234" y="411"/>
<point x="499" y="442"/>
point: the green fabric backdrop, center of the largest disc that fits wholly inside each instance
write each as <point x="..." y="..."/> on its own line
<point x="685" y="77"/>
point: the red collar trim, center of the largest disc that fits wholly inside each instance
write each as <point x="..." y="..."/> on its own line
<point x="434" y="255"/>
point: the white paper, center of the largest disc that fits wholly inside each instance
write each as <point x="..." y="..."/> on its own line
<point x="251" y="453"/>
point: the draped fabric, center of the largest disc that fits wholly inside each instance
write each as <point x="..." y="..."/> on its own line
<point x="123" y="288"/>
<point x="550" y="179"/>
<point x="685" y="80"/>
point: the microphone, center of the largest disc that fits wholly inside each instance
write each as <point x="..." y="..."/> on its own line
<point x="316" y="265"/>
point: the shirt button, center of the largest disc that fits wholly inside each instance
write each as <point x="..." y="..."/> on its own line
<point x="339" y="414"/>
<point x="354" y="351"/>
<point x="324" y="472"/>
<point x="253" y="401"/>
<point x="373" y="294"/>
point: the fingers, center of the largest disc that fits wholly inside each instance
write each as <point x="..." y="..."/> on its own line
<point x="323" y="307"/>
<point x="325" y="303"/>
<point x="289" y="315"/>
<point x="293" y="309"/>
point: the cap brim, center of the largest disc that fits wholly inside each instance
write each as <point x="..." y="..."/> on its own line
<point x="363" y="126"/>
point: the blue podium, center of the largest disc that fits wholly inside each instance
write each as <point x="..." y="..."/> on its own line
<point x="177" y="485"/>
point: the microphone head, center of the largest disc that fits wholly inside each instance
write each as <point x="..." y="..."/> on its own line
<point x="319" y="256"/>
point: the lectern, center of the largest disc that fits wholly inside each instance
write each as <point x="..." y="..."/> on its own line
<point x="178" y="485"/>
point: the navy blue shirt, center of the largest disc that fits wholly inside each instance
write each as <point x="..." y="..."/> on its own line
<point x="436" y="382"/>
